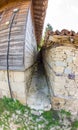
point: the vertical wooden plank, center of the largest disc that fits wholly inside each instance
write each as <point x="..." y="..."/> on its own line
<point x="17" y="36"/>
<point x="30" y="43"/>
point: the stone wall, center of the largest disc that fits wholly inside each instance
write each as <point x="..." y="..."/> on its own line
<point x="19" y="81"/>
<point x="61" y="65"/>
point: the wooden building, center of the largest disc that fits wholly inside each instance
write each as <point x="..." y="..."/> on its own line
<point x="21" y="24"/>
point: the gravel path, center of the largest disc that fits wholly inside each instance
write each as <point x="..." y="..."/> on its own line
<point x="38" y="120"/>
<point x="15" y="116"/>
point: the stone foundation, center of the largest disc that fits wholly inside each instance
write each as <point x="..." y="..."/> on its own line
<point x="61" y="65"/>
<point x="19" y="84"/>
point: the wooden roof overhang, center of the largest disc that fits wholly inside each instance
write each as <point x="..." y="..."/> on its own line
<point x="39" y="9"/>
<point x="39" y="12"/>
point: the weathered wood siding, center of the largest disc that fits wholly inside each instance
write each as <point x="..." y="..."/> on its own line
<point x="30" y="42"/>
<point x="17" y="38"/>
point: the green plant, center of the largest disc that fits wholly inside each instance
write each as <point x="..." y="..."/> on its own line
<point x="52" y="118"/>
<point x="2" y="106"/>
<point x="49" y="27"/>
<point x="22" y="116"/>
<point x="12" y="105"/>
<point x="64" y="112"/>
<point x="75" y="125"/>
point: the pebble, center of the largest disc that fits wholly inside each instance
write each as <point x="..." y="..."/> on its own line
<point x="37" y="113"/>
<point x="26" y="119"/>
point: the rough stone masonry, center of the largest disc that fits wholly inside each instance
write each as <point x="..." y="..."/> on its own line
<point x="60" y="57"/>
<point x="19" y="84"/>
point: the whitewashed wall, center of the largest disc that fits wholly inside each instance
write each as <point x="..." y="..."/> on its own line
<point x="30" y="42"/>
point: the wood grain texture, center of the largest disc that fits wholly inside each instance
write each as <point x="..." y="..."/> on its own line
<point x="38" y="8"/>
<point x="17" y="35"/>
<point x="30" y="42"/>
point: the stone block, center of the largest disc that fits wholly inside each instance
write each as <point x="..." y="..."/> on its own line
<point x="71" y="87"/>
<point x="75" y="61"/>
<point x="58" y="70"/>
<point x="60" y="91"/>
<point x="59" y="79"/>
<point x="68" y="70"/>
<point x="76" y="51"/>
<point x="19" y="91"/>
<point x="71" y="105"/>
<point x="57" y="103"/>
<point x="59" y="86"/>
<point x="19" y="76"/>
<point x="69" y="59"/>
<point x="4" y="85"/>
<point x="18" y="87"/>
<point x="60" y="63"/>
<point x="66" y="104"/>
<point x="76" y="93"/>
<point x="11" y="76"/>
<point x="59" y="56"/>
<point x="69" y="51"/>
<point x="1" y="75"/>
<point x="5" y="76"/>
<point x="6" y="93"/>
<point x="76" y="81"/>
<point x="19" y="82"/>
